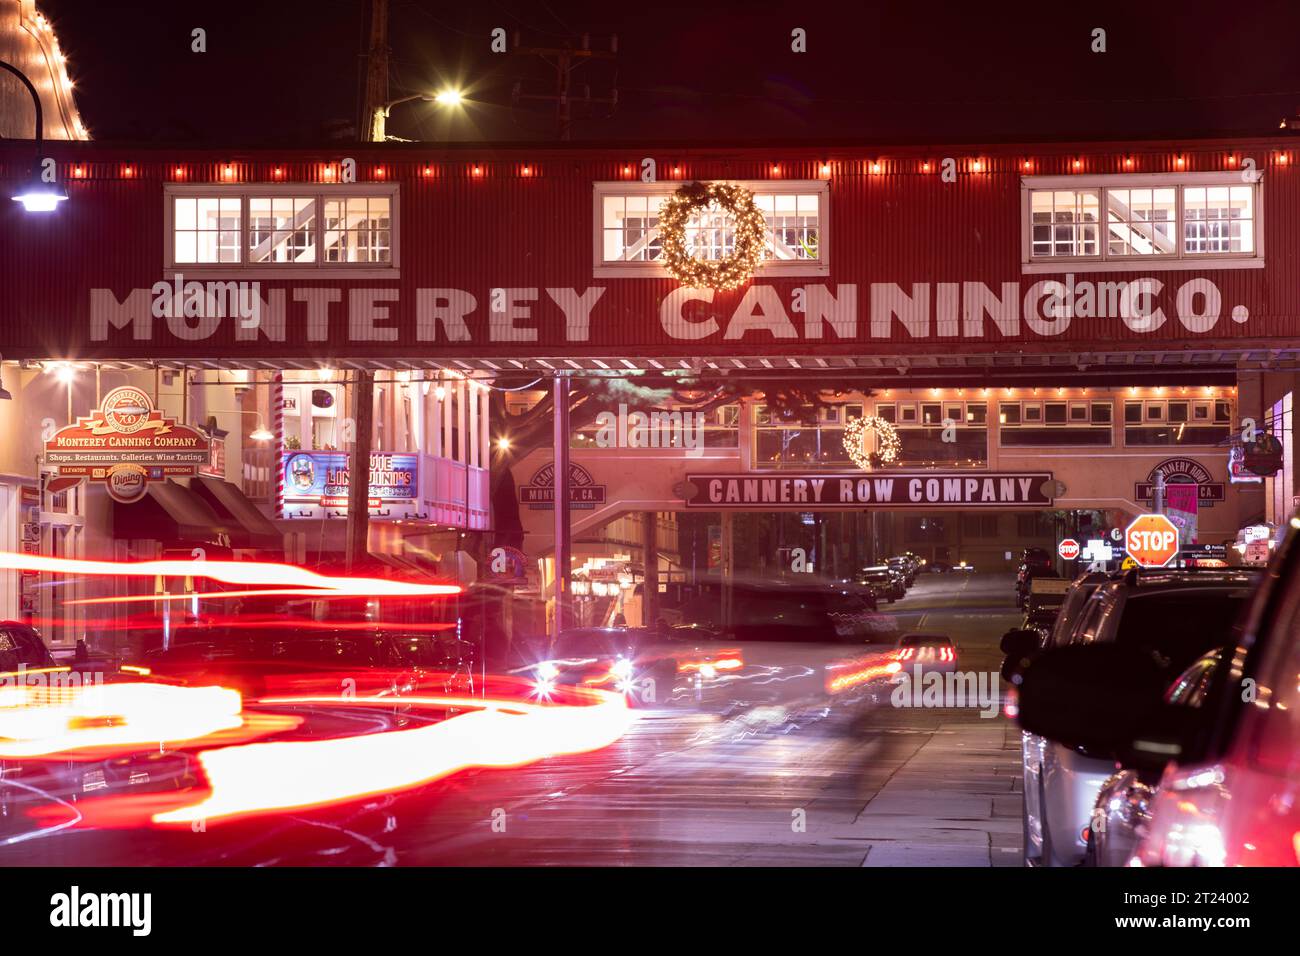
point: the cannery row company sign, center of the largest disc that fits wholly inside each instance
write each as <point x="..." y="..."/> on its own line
<point x="901" y="489"/>
<point x="125" y="443"/>
<point x="761" y="317"/>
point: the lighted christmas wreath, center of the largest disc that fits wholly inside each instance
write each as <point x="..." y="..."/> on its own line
<point x="887" y="443"/>
<point x="748" y="226"/>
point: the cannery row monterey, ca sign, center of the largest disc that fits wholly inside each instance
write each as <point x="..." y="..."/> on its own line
<point x="193" y="312"/>
<point x="125" y="443"/>
<point x="894" y="489"/>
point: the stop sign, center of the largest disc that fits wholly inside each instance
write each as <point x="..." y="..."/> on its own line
<point x="1151" y="541"/>
<point x="1068" y="549"/>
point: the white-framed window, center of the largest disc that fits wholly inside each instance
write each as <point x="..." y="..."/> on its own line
<point x="271" y="229"/>
<point x="626" y="228"/>
<point x="1054" y="423"/>
<point x="1141" y="222"/>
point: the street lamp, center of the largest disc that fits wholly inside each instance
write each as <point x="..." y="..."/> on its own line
<point x="35" y="195"/>
<point x="447" y="97"/>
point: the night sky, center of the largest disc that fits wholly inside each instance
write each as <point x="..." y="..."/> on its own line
<point x="288" y="71"/>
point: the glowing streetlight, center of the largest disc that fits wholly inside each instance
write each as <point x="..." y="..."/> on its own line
<point x="35" y="195"/>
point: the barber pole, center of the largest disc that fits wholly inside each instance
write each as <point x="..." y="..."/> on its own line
<point x="277" y="425"/>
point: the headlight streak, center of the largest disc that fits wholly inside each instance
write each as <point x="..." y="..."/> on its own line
<point x="281" y="775"/>
<point x="38" y="721"/>
<point x="252" y="779"/>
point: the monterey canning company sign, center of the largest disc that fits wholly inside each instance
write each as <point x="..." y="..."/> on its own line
<point x="125" y="443"/>
<point x="328" y="317"/>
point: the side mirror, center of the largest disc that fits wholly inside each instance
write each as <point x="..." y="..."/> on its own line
<point x="1019" y="646"/>
<point x="1020" y="641"/>
<point x="1107" y="700"/>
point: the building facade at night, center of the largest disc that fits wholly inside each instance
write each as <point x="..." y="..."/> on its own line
<point x="1053" y="335"/>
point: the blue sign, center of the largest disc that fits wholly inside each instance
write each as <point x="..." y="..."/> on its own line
<point x="322" y="477"/>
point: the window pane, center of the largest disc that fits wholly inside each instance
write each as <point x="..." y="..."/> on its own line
<point x="1140" y="221"/>
<point x="1218" y="219"/>
<point x="186" y="214"/>
<point x="1065" y="222"/>
<point x="186" y="247"/>
<point x="281" y="229"/>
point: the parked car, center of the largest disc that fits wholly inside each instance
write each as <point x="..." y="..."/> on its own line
<point x="259" y="662"/>
<point x="1159" y="622"/>
<point x="1026" y="576"/>
<point x="1021" y="646"/>
<point x="883" y="582"/>
<point x="1043" y="603"/>
<point x="1123" y="809"/>
<point x="903" y="566"/>
<point x="21" y="646"/>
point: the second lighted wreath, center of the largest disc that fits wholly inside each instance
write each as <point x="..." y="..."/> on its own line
<point x="887" y="442"/>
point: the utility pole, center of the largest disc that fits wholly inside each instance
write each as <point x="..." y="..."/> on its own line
<point x="370" y="126"/>
<point x="563" y="533"/>
<point x="565" y="59"/>
<point x="371" y="130"/>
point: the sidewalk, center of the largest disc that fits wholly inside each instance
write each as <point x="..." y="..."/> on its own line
<point x="955" y="802"/>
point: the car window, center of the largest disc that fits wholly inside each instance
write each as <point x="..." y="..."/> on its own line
<point x="1180" y="624"/>
<point x="20" y="646"/>
<point x="1069" y="615"/>
<point x="431" y="651"/>
<point x="1191" y="685"/>
<point x="367" y="652"/>
<point x="1090" y="620"/>
<point x="592" y="642"/>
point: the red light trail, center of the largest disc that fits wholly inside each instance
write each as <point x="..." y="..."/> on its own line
<point x="261" y="573"/>
<point x="251" y="779"/>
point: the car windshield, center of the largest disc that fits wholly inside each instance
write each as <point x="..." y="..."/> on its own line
<point x="593" y="642"/>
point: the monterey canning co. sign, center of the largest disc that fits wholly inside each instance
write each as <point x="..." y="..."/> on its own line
<point x="202" y="317"/>
<point x="125" y="444"/>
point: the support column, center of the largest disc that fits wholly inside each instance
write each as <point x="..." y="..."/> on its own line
<point x="471" y="395"/>
<point x="563" y="541"/>
<point x="358" y="529"/>
<point x="485" y="426"/>
<point x="650" y="587"/>
<point x="728" y="568"/>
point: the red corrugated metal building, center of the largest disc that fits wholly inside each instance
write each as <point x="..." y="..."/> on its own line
<point x="899" y="257"/>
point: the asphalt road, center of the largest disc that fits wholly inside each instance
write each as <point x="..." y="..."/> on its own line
<point x="856" y="783"/>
